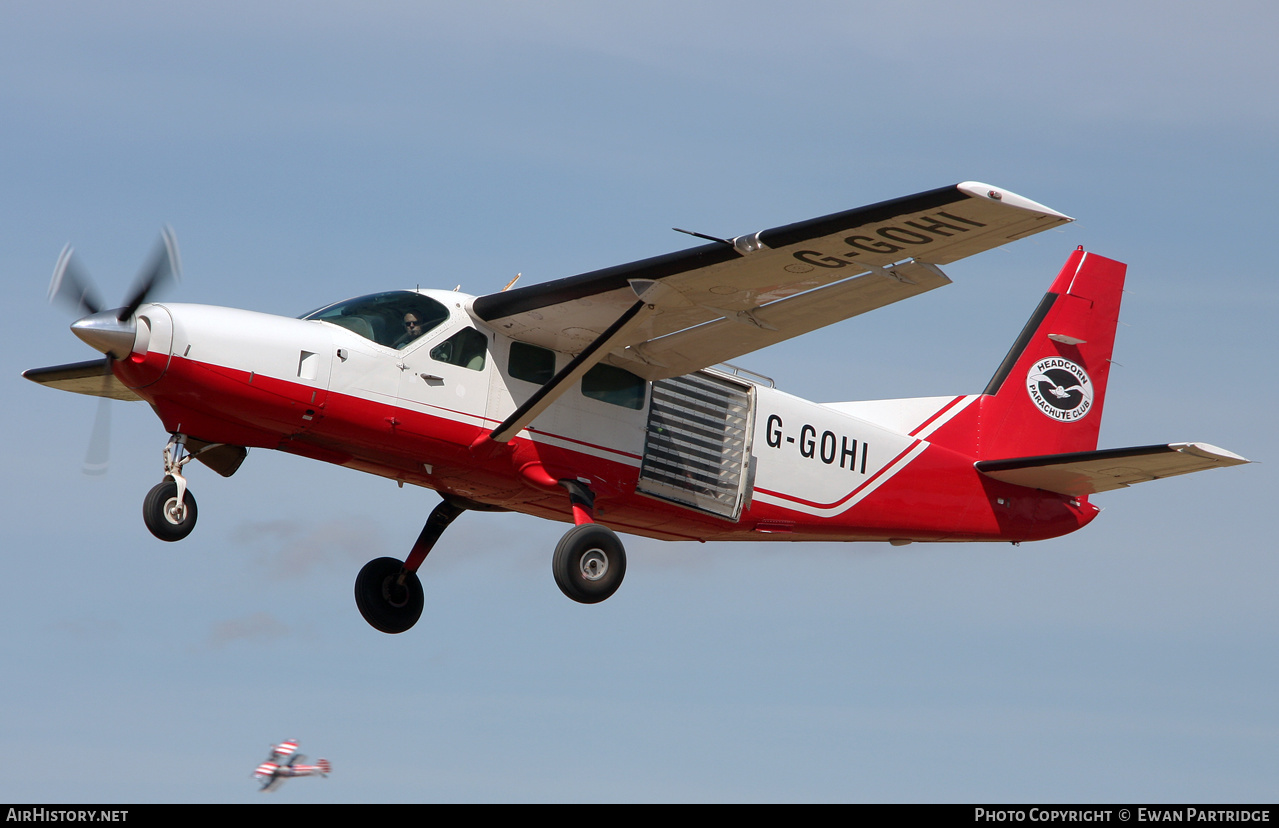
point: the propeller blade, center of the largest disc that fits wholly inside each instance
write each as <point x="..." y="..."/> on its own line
<point x="111" y="332"/>
<point x="70" y="285"/>
<point x="98" y="455"/>
<point x="164" y="266"/>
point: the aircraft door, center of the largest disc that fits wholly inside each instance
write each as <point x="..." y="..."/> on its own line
<point x="446" y="377"/>
<point x="698" y="446"/>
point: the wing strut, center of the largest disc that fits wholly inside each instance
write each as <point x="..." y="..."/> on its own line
<point x="579" y="365"/>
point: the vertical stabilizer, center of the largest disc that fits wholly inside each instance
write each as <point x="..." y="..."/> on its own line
<point x="1047" y="396"/>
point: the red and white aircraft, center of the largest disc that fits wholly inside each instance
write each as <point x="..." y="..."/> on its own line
<point x="286" y="763"/>
<point x="594" y="399"/>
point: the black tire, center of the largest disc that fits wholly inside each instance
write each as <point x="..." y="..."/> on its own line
<point x="589" y="563"/>
<point x="387" y="606"/>
<point x="164" y="521"/>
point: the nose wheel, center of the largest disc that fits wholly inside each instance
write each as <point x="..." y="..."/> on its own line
<point x="169" y="508"/>
<point x="168" y="513"/>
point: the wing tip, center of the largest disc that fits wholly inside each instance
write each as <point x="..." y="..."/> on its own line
<point x="977" y="189"/>
<point x="1210" y="452"/>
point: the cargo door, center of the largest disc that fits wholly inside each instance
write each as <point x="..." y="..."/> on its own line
<point x="697" y="444"/>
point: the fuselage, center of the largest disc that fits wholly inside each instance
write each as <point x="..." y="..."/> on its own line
<point x="717" y="455"/>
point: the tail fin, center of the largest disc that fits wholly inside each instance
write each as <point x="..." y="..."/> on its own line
<point x="1047" y="396"/>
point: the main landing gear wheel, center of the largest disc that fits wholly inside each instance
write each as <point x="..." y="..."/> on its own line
<point x="589" y="563"/>
<point x="168" y="519"/>
<point x="388" y="605"/>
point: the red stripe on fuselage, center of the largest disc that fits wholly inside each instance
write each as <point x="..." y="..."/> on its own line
<point x="433" y="449"/>
<point x="837" y="503"/>
<point x="947" y="407"/>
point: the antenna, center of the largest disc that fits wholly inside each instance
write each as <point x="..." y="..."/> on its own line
<point x="703" y="236"/>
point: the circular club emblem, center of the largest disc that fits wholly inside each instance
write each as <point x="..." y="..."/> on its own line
<point x="1060" y="388"/>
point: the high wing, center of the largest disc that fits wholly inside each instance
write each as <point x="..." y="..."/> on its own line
<point x="708" y="304"/>
<point x="93" y="378"/>
<point x="1089" y="472"/>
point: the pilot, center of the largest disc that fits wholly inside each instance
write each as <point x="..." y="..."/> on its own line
<point x="412" y="329"/>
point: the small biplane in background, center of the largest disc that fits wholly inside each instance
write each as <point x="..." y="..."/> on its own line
<point x="286" y="763"/>
<point x="605" y="399"/>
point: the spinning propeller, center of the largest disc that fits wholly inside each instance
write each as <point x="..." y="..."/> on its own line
<point x="110" y="331"/>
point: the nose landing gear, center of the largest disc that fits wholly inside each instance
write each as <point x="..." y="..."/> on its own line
<point x="169" y="510"/>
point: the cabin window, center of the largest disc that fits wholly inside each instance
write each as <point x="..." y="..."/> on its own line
<point x="465" y="348"/>
<point x="531" y="363"/>
<point x="393" y="319"/>
<point x="614" y="385"/>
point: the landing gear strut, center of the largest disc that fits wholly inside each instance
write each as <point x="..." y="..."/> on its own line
<point x="169" y="510"/>
<point x="589" y="563"/>
<point x="388" y="592"/>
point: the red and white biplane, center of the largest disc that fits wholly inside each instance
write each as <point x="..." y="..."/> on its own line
<point x="596" y="399"/>
<point x="286" y="763"/>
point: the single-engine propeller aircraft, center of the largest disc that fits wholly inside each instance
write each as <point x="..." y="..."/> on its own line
<point x="286" y="763"/>
<point x="596" y="399"/>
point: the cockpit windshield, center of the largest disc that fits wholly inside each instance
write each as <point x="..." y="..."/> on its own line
<point x="393" y="319"/>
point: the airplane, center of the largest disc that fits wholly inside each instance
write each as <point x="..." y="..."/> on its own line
<point x="286" y="763"/>
<point x="607" y="399"/>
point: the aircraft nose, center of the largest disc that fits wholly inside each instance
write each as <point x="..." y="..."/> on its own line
<point x="105" y="332"/>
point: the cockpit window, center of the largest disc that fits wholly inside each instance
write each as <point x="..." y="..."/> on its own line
<point x="393" y="319"/>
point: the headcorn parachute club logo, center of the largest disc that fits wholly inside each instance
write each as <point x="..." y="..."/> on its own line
<point x="1060" y="388"/>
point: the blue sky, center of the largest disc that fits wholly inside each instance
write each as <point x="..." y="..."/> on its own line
<point x="307" y="152"/>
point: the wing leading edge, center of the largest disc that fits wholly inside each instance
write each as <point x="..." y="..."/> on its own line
<point x="718" y="301"/>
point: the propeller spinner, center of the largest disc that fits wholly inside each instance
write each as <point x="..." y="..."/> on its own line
<point x="114" y="331"/>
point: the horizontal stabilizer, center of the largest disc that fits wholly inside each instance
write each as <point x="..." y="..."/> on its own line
<point x="92" y="378"/>
<point x="1089" y="472"/>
